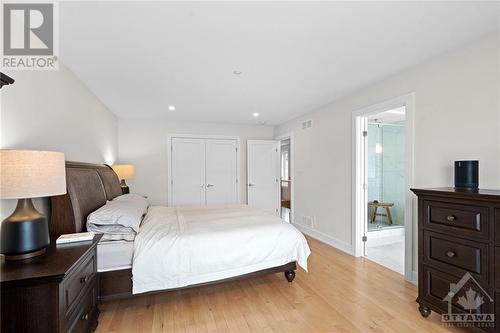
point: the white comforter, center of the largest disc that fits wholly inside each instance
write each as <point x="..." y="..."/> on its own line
<point x="177" y="247"/>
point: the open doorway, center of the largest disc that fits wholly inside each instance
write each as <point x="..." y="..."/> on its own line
<point x="383" y="158"/>
<point x="286" y="180"/>
<point x="385" y="171"/>
<point x="286" y="177"/>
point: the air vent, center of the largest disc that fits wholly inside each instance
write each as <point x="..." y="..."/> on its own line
<point x="309" y="221"/>
<point x="307" y="124"/>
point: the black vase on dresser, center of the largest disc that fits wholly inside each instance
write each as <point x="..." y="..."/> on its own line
<point x="459" y="255"/>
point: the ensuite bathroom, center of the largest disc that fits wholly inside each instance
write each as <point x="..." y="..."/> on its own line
<point x="386" y="189"/>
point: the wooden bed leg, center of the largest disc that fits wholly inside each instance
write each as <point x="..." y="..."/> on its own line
<point x="290" y="275"/>
<point x="425" y="311"/>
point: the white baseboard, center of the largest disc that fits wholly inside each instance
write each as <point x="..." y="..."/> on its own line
<point x="338" y="244"/>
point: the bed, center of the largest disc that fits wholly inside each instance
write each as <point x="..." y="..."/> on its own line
<point x="114" y="255"/>
<point x="190" y="240"/>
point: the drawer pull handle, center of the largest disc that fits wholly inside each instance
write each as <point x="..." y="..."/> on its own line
<point x="85" y="317"/>
<point x="451" y="254"/>
<point x="84" y="279"/>
<point x="451" y="218"/>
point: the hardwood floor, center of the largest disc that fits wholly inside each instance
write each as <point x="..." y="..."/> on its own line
<point x="339" y="294"/>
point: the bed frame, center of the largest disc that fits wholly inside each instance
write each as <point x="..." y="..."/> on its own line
<point x="88" y="188"/>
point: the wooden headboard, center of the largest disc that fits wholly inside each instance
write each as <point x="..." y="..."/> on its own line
<point x="88" y="187"/>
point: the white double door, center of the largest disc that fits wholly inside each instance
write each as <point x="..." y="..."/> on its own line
<point x="263" y="170"/>
<point x="203" y="172"/>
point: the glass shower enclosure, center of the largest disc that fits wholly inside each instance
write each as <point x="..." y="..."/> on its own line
<point x="386" y="175"/>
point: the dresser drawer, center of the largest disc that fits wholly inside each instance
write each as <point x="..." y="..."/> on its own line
<point x="497" y="228"/>
<point x="78" y="280"/>
<point x="437" y="287"/>
<point x="85" y="311"/>
<point x="456" y="255"/>
<point x="496" y="264"/>
<point x="457" y="219"/>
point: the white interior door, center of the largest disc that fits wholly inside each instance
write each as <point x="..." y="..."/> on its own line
<point x="364" y="190"/>
<point x="188" y="172"/>
<point x="221" y="172"/>
<point x="263" y="170"/>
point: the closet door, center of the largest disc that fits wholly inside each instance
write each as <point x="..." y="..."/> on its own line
<point x="221" y="172"/>
<point x="263" y="170"/>
<point x="188" y="172"/>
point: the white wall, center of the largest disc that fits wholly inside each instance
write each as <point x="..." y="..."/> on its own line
<point x="144" y="144"/>
<point x="457" y="116"/>
<point x="54" y="110"/>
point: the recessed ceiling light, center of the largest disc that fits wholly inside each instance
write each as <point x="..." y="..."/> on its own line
<point x="237" y="72"/>
<point x="171" y="108"/>
<point x="255" y="114"/>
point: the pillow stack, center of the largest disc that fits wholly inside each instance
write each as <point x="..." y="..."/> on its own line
<point x="120" y="218"/>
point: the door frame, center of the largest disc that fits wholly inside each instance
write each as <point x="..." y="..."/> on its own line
<point x="359" y="191"/>
<point x="278" y="183"/>
<point x="199" y="136"/>
<point x="292" y="171"/>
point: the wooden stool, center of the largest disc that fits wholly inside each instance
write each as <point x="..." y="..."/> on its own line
<point x="376" y="205"/>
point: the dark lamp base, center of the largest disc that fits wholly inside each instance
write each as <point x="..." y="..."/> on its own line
<point x="25" y="233"/>
<point x="124" y="186"/>
<point x="24" y="256"/>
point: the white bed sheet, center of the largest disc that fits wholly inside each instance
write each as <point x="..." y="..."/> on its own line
<point x="178" y="247"/>
<point x="114" y="255"/>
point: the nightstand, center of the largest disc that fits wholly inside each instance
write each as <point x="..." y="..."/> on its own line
<point x="55" y="292"/>
<point x="458" y="250"/>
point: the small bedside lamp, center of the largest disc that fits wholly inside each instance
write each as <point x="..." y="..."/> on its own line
<point x="27" y="174"/>
<point x="124" y="172"/>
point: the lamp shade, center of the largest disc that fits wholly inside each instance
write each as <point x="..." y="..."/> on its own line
<point x="31" y="174"/>
<point x="124" y="171"/>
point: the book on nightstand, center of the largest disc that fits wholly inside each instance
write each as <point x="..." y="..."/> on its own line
<point x="76" y="237"/>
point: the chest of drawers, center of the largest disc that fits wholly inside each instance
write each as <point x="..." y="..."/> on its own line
<point x="458" y="250"/>
<point x="55" y="292"/>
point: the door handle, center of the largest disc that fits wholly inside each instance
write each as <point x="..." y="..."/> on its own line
<point x="210" y="185"/>
<point x="250" y="185"/>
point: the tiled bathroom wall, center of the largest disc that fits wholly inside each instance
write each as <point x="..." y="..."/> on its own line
<point x="386" y="170"/>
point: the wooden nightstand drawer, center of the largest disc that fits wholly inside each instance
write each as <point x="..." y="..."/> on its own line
<point x="456" y="255"/>
<point x="457" y="219"/>
<point x="85" y="313"/>
<point x="78" y="280"/>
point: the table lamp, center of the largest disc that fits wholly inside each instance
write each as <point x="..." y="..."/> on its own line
<point x="27" y="174"/>
<point x="124" y="172"/>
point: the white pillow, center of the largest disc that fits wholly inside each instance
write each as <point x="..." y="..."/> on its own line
<point x="127" y="213"/>
<point x="135" y="198"/>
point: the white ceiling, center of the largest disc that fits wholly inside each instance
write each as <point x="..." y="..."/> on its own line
<point x="390" y="116"/>
<point x="139" y="57"/>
